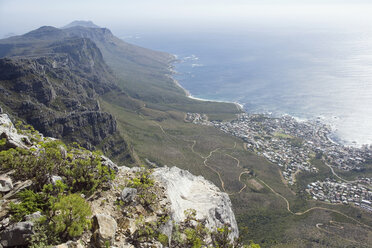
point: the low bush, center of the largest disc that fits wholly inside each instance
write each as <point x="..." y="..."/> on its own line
<point x="70" y="216"/>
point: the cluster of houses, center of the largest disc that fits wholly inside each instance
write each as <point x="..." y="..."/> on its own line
<point x="292" y="144"/>
<point x="196" y="118"/>
<point x="333" y="191"/>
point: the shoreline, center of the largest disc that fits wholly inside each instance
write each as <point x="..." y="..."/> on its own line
<point x="240" y="107"/>
<point x="187" y="93"/>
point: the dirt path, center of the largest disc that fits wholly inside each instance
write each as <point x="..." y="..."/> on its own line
<point x="313" y="208"/>
<point x="264" y="183"/>
<point x="318" y="225"/>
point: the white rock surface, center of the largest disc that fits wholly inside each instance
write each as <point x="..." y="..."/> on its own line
<point x="6" y="184"/>
<point x="187" y="191"/>
<point x="8" y="131"/>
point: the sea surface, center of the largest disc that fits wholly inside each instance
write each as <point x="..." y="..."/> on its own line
<point x="308" y="74"/>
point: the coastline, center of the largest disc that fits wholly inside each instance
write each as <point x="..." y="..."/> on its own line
<point x="187" y="93"/>
<point x="240" y="107"/>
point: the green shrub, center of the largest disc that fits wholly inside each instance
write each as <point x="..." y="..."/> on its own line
<point x="31" y="202"/>
<point x="70" y="216"/>
<point x="2" y="142"/>
<point x="40" y="238"/>
<point x="163" y="239"/>
<point x="194" y="235"/>
<point x="83" y="174"/>
<point x="143" y="183"/>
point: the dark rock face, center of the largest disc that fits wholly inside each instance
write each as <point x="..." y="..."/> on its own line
<point x="17" y="234"/>
<point x="53" y="80"/>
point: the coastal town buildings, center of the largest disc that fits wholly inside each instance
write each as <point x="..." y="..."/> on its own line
<point x="293" y="145"/>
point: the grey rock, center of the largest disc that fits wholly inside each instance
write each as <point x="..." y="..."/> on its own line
<point x="63" y="152"/>
<point x="33" y="217"/>
<point x="186" y="191"/>
<point x="17" y="188"/>
<point x="16" y="234"/>
<point x="135" y="169"/>
<point x="128" y="194"/>
<point x="6" y="184"/>
<point x="4" y="222"/>
<point x="104" y="229"/>
<point x="70" y="244"/>
<point x="107" y="162"/>
<point x="54" y="179"/>
<point x="9" y="132"/>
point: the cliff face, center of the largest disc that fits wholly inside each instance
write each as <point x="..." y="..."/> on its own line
<point x="54" y="85"/>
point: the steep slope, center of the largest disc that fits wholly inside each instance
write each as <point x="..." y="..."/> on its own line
<point x="53" y="81"/>
<point x="144" y="72"/>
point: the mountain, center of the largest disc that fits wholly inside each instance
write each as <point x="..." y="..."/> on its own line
<point x="52" y="80"/>
<point x="87" y="24"/>
<point x="144" y="73"/>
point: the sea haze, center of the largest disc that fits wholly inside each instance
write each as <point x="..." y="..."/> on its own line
<point x="312" y="73"/>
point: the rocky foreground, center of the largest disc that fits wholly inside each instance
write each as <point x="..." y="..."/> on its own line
<point x="164" y="207"/>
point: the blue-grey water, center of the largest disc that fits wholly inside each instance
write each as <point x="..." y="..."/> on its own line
<point x="308" y="74"/>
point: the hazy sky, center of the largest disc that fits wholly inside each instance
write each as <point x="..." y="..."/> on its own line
<point x="20" y="16"/>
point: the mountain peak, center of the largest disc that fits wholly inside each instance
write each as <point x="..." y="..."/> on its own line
<point x="86" y="24"/>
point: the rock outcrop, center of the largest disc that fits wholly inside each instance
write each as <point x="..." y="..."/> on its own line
<point x="186" y="191"/>
<point x="104" y="227"/>
<point x="16" y="234"/>
<point x="10" y="134"/>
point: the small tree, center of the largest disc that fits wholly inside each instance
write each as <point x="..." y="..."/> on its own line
<point x="71" y="214"/>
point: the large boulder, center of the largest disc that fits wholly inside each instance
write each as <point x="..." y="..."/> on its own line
<point x="6" y="184"/>
<point x="186" y="191"/>
<point x="128" y="194"/>
<point x="16" y="234"/>
<point x="104" y="229"/>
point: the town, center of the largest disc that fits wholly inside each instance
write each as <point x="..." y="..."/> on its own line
<point x="293" y="144"/>
<point x="345" y="193"/>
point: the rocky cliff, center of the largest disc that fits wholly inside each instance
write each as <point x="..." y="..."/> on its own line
<point x="53" y="81"/>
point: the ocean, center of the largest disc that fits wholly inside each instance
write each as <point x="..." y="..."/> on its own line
<point x="309" y="73"/>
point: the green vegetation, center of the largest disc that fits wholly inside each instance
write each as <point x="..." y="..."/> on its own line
<point x="31" y="202"/>
<point x="80" y="169"/>
<point x="70" y="216"/>
<point x="142" y="182"/>
<point x="64" y="213"/>
<point x="189" y="234"/>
